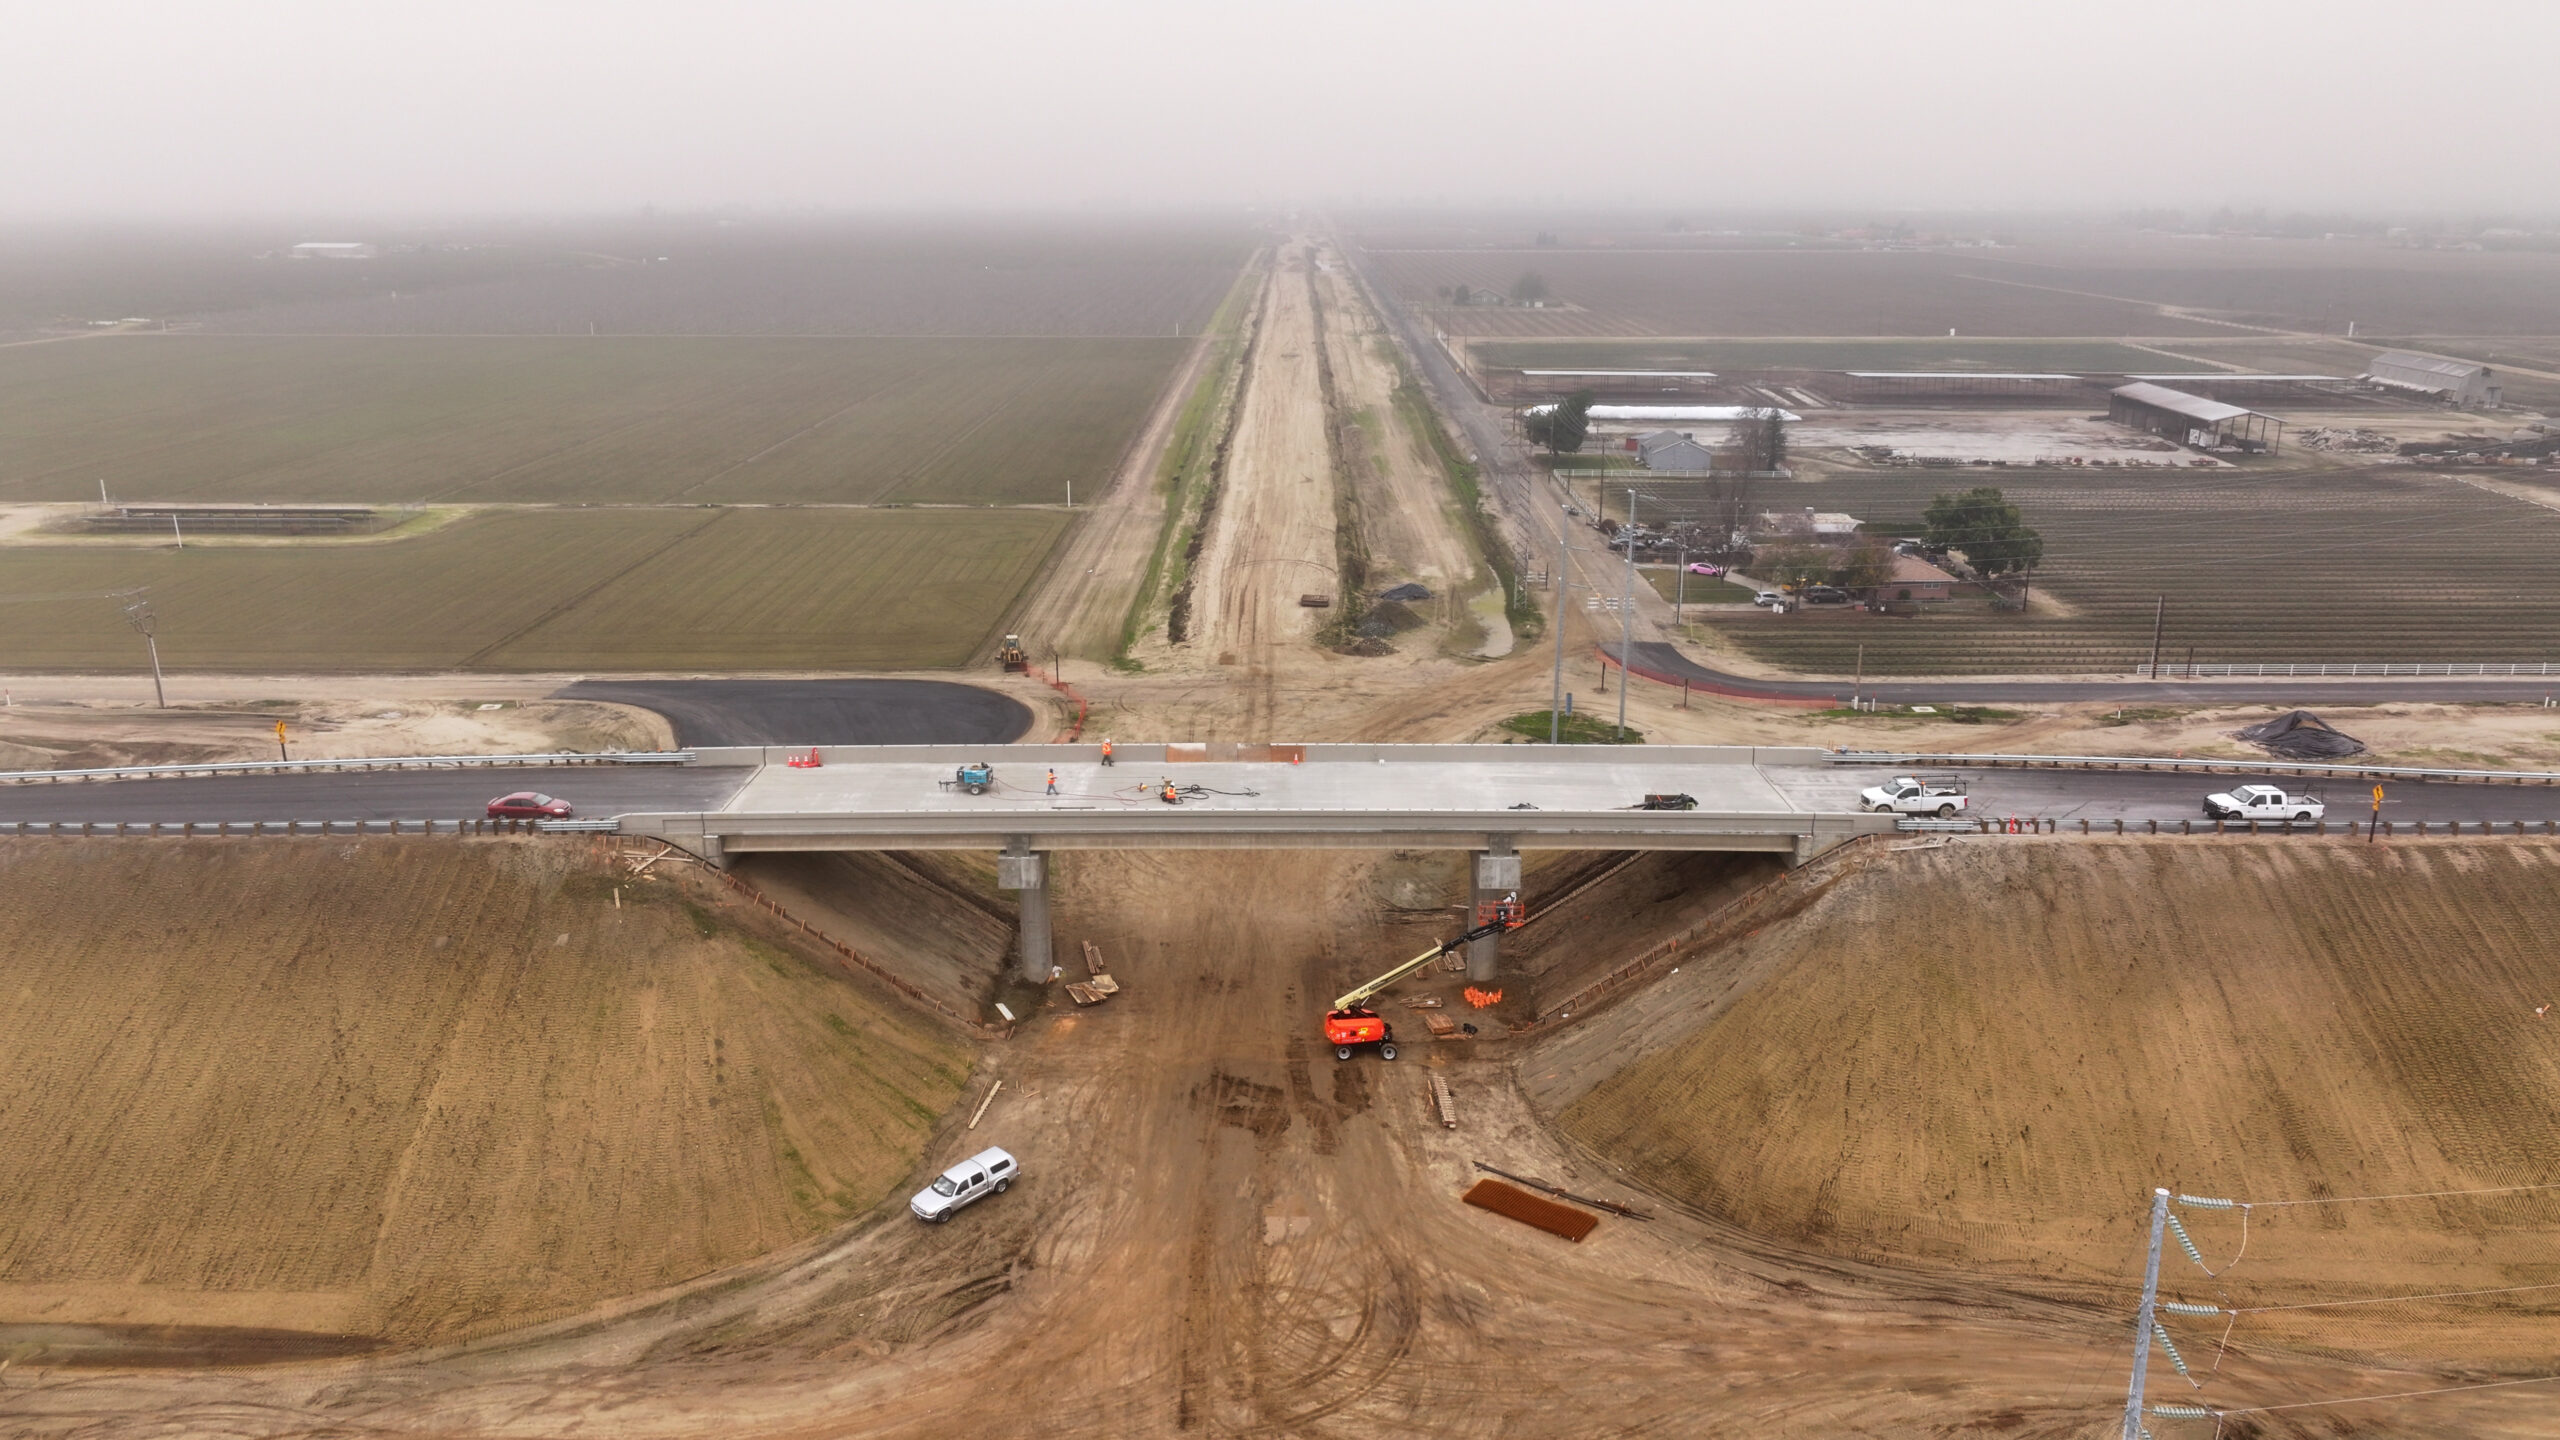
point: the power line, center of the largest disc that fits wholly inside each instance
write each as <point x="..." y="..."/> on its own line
<point x="2390" y="1299"/>
<point x="2396" y="1395"/>
<point x="43" y="596"/>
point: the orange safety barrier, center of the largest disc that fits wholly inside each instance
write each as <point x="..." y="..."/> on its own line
<point x="1074" y="728"/>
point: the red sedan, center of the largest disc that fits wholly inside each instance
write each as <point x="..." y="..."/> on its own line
<point x="527" y="805"/>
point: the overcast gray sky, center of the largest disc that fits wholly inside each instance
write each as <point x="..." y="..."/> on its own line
<point x="137" y="107"/>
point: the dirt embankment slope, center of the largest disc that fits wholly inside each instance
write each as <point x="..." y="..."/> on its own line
<point x="1986" y="1056"/>
<point x="417" y="1089"/>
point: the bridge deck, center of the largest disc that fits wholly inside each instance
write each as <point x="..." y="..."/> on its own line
<point x="1365" y="796"/>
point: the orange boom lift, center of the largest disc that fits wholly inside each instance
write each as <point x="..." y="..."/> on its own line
<point x="1351" y="1022"/>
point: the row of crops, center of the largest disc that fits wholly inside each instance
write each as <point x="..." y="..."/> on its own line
<point x="2256" y="566"/>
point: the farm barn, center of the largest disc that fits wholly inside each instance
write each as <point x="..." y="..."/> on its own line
<point x="2462" y="384"/>
<point x="2192" y="419"/>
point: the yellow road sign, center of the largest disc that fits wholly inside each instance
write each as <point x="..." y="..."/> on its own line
<point x="2377" y="797"/>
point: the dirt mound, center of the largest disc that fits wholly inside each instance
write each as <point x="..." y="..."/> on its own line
<point x="418" y="1089"/>
<point x="928" y="916"/>
<point x="1986" y="1056"/>
<point x="2300" y="735"/>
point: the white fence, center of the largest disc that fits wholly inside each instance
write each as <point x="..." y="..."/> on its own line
<point x="2173" y="670"/>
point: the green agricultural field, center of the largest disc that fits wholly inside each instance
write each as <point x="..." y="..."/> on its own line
<point x="628" y="419"/>
<point x="2072" y="356"/>
<point x="2334" y="565"/>
<point x="638" y="588"/>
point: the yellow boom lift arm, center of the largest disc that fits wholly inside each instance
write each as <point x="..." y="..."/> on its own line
<point x="1361" y="995"/>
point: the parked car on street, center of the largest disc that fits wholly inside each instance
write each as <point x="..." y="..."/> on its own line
<point x="2262" y="802"/>
<point x="986" y="1173"/>
<point x="529" y="805"/>
<point x="1825" y="595"/>
<point x="1768" y="597"/>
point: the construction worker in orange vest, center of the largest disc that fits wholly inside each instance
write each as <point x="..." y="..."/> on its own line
<point x="1053" y="782"/>
<point x="1106" y="749"/>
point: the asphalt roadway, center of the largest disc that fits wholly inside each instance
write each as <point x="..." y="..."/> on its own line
<point x="598" y="791"/>
<point x="820" y="712"/>
<point x="2108" y="795"/>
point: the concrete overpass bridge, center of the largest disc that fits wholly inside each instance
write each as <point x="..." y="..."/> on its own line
<point x="1491" y="800"/>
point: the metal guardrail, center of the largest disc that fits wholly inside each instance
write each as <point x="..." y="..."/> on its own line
<point x="1919" y="822"/>
<point x="392" y="762"/>
<point x="218" y="829"/>
<point x="2153" y="762"/>
<point x="603" y="827"/>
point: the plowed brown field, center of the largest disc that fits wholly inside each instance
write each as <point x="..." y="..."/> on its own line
<point x="416" y="1089"/>
<point x="1985" y="1057"/>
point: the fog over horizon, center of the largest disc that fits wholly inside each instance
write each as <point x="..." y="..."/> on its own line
<point x="128" y="109"/>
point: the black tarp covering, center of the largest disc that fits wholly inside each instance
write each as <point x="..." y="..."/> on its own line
<point x="2301" y="735"/>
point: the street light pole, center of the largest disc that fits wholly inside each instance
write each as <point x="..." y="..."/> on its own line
<point x="1564" y="593"/>
<point x="1627" y="614"/>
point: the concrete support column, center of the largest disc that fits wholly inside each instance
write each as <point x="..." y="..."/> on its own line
<point x="1497" y="877"/>
<point x="1026" y="872"/>
<point x="711" y="850"/>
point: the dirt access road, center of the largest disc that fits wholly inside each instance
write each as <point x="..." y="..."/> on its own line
<point x="1222" y="1231"/>
<point x="1271" y="538"/>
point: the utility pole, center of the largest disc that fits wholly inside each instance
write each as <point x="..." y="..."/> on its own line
<point x="2159" y="612"/>
<point x="1858" y="686"/>
<point x="1681" y="594"/>
<point x="1627" y="614"/>
<point x="138" y="615"/>
<point x="174" y="530"/>
<point x="2143" y="1319"/>
<point x="1564" y="593"/>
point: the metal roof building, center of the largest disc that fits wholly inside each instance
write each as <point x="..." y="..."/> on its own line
<point x="1888" y="386"/>
<point x="2464" y="384"/>
<point x="2192" y="419"/>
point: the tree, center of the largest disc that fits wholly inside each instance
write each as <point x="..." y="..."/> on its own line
<point x="1987" y="528"/>
<point x="1729" y="515"/>
<point x="1868" y="567"/>
<point x="1461" y="295"/>
<point x="1759" y="441"/>
<point x="1562" y="427"/>
<point x="1793" y="563"/>
<point x="1530" y="286"/>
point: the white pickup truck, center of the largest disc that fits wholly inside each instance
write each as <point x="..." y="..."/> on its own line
<point x="1939" y="795"/>
<point x="2262" y="802"/>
